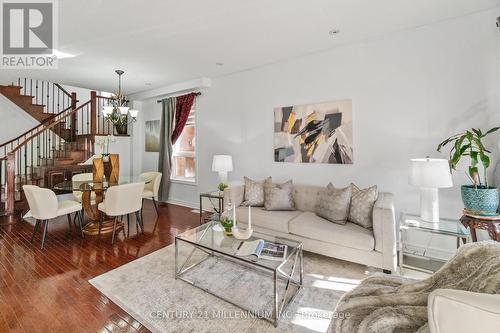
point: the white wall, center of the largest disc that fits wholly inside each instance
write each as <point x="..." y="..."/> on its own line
<point x="14" y="121"/>
<point x="410" y="90"/>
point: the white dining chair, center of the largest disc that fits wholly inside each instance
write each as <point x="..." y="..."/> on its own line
<point x="44" y="206"/>
<point x="152" y="187"/>
<point x="82" y="178"/>
<point x="122" y="200"/>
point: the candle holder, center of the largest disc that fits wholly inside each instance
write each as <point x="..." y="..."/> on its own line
<point x="243" y="234"/>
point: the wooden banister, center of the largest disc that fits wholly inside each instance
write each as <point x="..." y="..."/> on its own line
<point x="10" y="175"/>
<point x="42" y="124"/>
<point x="93" y="113"/>
<point x="73" y="125"/>
<point x="46" y="128"/>
<point x="63" y="90"/>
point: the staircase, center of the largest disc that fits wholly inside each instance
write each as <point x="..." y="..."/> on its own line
<point x="63" y="139"/>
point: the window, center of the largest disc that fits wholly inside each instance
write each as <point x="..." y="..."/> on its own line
<point x="184" y="152"/>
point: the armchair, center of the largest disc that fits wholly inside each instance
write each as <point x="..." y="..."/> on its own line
<point x="478" y="312"/>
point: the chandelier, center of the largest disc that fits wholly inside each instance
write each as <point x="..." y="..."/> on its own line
<point x="117" y="110"/>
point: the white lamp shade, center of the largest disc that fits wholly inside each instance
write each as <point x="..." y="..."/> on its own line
<point x="430" y="173"/>
<point x="222" y="163"/>
<point x="133" y="113"/>
<point x="107" y="110"/>
<point x="123" y="109"/>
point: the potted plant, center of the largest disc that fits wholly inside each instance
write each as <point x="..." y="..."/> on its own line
<point x="478" y="198"/>
<point x="227" y="224"/>
<point x="222" y="187"/>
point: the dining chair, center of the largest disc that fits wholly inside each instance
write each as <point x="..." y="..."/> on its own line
<point x="122" y="200"/>
<point x="152" y="187"/>
<point x="44" y="206"/>
<point x="81" y="178"/>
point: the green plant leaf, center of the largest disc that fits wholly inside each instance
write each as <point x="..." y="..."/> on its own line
<point x="473" y="172"/>
<point x="477" y="132"/>
<point x="494" y="129"/>
<point x="446" y="141"/>
<point x="464" y="149"/>
<point x="485" y="160"/>
<point x="473" y="158"/>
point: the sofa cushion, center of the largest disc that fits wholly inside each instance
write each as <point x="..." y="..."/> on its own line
<point x="333" y="204"/>
<point x="311" y="226"/>
<point x="254" y="192"/>
<point x="362" y="202"/>
<point x="278" y="196"/>
<point x="274" y="220"/>
<point x="306" y="197"/>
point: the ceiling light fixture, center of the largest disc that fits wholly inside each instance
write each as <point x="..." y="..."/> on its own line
<point x="219" y="63"/>
<point x="117" y="109"/>
<point x="333" y="32"/>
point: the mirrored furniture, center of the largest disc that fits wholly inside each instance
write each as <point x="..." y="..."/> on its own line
<point x="423" y="257"/>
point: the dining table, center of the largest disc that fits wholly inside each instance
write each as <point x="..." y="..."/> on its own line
<point x="90" y="204"/>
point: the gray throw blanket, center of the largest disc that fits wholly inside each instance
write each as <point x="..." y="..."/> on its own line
<point x="394" y="304"/>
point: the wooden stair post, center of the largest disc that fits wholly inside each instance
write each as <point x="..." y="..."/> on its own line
<point x="10" y="175"/>
<point x="93" y="113"/>
<point x="73" y="117"/>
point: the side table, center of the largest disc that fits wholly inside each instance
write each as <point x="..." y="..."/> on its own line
<point x="489" y="223"/>
<point x="212" y="195"/>
<point x="423" y="254"/>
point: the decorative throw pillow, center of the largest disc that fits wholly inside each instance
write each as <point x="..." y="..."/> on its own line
<point x="254" y="192"/>
<point x="278" y="196"/>
<point x="333" y="204"/>
<point x="362" y="202"/>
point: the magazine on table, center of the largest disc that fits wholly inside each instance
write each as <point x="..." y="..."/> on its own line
<point x="261" y="249"/>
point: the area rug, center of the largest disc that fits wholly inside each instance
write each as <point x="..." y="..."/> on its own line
<point x="147" y="290"/>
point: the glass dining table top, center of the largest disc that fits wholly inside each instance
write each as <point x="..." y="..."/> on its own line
<point x="89" y="185"/>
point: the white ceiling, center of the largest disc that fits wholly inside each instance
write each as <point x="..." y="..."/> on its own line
<point x="167" y="41"/>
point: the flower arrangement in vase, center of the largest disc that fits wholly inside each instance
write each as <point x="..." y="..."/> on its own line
<point x="227" y="224"/>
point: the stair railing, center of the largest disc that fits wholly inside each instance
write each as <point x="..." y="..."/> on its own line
<point x="52" y="95"/>
<point x="35" y="148"/>
<point x="103" y="126"/>
<point x="40" y="146"/>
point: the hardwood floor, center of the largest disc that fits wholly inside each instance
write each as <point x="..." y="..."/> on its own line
<point x="47" y="290"/>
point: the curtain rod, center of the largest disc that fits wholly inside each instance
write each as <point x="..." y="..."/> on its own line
<point x="161" y="100"/>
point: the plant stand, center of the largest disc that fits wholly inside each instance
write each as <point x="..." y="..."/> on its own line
<point x="489" y="223"/>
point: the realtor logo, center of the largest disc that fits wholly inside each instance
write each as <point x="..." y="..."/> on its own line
<point x="28" y="34"/>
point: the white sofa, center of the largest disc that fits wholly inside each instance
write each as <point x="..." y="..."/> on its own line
<point x="351" y="242"/>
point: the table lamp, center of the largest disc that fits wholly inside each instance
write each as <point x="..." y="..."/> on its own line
<point x="222" y="164"/>
<point x="430" y="174"/>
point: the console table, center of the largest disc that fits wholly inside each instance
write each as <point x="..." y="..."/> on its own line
<point x="489" y="223"/>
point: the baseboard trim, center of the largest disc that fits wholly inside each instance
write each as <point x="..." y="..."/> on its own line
<point x="183" y="203"/>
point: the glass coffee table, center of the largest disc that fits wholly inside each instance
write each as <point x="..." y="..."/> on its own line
<point x="206" y="258"/>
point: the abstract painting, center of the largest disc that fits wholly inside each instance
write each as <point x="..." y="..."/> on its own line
<point x="314" y="133"/>
<point x="152" y="136"/>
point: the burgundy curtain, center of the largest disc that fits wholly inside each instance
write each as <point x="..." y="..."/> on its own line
<point x="182" y="108"/>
